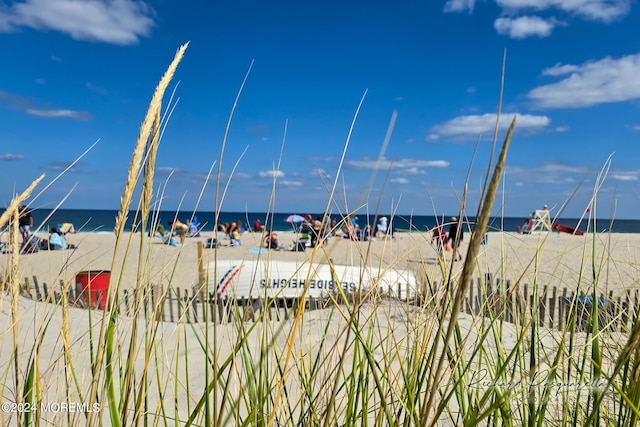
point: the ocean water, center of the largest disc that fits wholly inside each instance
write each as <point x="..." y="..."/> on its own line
<point x="104" y="220"/>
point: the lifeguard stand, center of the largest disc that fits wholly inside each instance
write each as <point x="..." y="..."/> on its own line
<point x="539" y="221"/>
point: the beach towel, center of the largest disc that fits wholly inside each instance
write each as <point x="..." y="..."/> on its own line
<point x="168" y="240"/>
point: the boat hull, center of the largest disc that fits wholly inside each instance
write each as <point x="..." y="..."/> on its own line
<point x="291" y="279"/>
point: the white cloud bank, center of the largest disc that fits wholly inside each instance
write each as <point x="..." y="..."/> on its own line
<point x="410" y="166"/>
<point x="60" y="114"/>
<point x="596" y="10"/>
<point x="459" y="6"/>
<point x="402" y="181"/>
<point x="120" y="22"/>
<point x="515" y="20"/>
<point x="271" y="174"/>
<point x="595" y="82"/>
<point x="11" y="157"/>
<point x="474" y="125"/>
<point x="554" y="173"/>
<point x="548" y="173"/>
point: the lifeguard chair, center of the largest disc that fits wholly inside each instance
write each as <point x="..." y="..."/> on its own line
<point x="538" y="221"/>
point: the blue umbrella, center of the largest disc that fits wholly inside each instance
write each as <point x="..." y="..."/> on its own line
<point x="294" y="219"/>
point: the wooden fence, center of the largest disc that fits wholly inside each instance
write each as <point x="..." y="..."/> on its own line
<point x="488" y="297"/>
<point x="175" y="305"/>
<point x="550" y="306"/>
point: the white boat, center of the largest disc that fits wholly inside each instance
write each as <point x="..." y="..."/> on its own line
<point x="290" y="279"/>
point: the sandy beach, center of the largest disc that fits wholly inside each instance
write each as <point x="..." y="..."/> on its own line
<point x="550" y="259"/>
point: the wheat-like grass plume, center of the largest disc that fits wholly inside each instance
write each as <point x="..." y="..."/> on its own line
<point x="145" y="131"/>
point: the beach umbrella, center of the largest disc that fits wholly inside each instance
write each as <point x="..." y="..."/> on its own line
<point x="294" y="219"/>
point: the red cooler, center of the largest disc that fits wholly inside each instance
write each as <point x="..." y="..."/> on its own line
<point x="95" y="283"/>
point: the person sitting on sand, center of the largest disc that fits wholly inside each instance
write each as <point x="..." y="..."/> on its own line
<point x="57" y="240"/>
<point x="380" y="230"/>
<point x="316" y="231"/>
<point x="234" y="232"/>
<point x="271" y="240"/>
<point x="257" y="227"/>
<point x="180" y="228"/>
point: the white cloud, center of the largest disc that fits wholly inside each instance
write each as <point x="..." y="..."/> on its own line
<point x="241" y="175"/>
<point x="592" y="83"/>
<point x="399" y="164"/>
<point x="40" y="81"/>
<point x="271" y="174"/>
<point x="474" y="125"/>
<point x="61" y="166"/>
<point x="562" y="129"/>
<point x="459" y="6"/>
<point x="60" y="114"/>
<point x="400" y="181"/>
<point x="635" y="127"/>
<point x="626" y="175"/>
<point x="548" y="173"/>
<point x="597" y="10"/>
<point x="95" y="88"/>
<point x="322" y="159"/>
<point x="514" y="22"/>
<point x="290" y="183"/>
<point x="321" y="173"/>
<point x="11" y="157"/>
<point x="413" y="171"/>
<point x="524" y="26"/>
<point x="120" y="22"/>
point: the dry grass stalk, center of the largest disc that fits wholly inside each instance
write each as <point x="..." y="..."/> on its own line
<point x="18" y="201"/>
<point x="145" y="130"/>
<point x="469" y="266"/>
<point x="153" y="111"/>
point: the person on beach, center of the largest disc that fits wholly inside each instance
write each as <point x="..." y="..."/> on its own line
<point x="380" y="230"/>
<point x="234" y="231"/>
<point x="271" y="240"/>
<point x="456" y="235"/>
<point x="25" y="221"/>
<point x="305" y="228"/>
<point x="333" y="227"/>
<point x="316" y="231"/>
<point x="440" y="238"/>
<point x="180" y="228"/>
<point x="223" y="227"/>
<point x="56" y="240"/>
<point x="257" y="227"/>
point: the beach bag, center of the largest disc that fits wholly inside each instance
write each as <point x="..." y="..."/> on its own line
<point x="299" y="246"/>
<point x="31" y="245"/>
<point x="448" y="247"/>
<point x="212" y="242"/>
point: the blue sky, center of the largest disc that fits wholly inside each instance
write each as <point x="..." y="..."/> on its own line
<point x="75" y="71"/>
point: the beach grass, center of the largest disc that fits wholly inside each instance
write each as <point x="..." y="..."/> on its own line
<point x="365" y="359"/>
